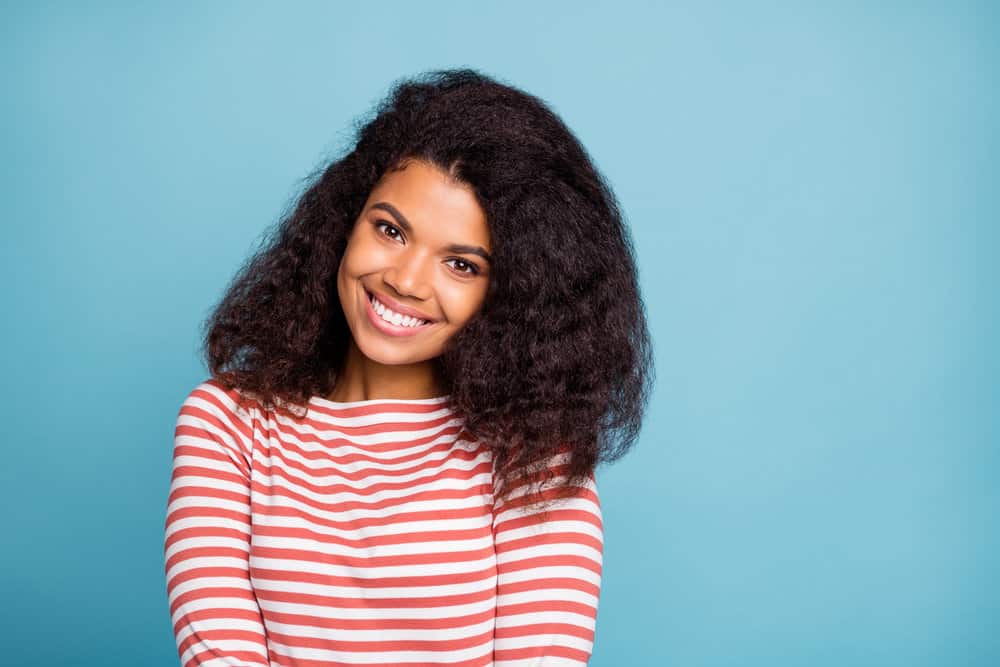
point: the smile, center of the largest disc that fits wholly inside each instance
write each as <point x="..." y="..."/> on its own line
<point x="388" y="321"/>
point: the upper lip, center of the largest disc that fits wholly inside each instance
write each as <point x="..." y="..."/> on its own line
<point x="397" y="307"/>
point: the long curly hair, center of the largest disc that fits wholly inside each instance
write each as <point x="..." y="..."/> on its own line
<point x="557" y="361"/>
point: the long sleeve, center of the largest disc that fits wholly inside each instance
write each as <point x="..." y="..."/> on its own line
<point x="215" y="614"/>
<point x="549" y="579"/>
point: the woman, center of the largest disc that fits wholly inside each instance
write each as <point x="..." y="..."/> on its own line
<point x="412" y="383"/>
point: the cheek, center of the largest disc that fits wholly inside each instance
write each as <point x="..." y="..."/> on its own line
<point x="348" y="269"/>
<point x="343" y="269"/>
<point x="461" y="304"/>
<point x="352" y="263"/>
<point x="362" y="256"/>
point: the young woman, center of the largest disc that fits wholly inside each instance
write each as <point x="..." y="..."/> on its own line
<point x="412" y="383"/>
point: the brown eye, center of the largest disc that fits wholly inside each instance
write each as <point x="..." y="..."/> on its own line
<point x="385" y="228"/>
<point x="465" y="267"/>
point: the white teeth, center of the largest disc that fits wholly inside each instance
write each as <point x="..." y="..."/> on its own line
<point x="395" y="318"/>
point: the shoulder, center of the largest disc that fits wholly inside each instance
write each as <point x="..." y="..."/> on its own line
<point x="211" y="404"/>
<point x="215" y="429"/>
<point x="214" y="391"/>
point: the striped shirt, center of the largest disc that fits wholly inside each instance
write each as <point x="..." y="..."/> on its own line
<point x="366" y="533"/>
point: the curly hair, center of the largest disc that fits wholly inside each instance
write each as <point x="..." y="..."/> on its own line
<point x="558" y="359"/>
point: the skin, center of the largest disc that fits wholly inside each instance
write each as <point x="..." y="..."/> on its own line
<point x="420" y="268"/>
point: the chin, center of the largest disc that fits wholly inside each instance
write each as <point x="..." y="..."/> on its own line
<point x="388" y="354"/>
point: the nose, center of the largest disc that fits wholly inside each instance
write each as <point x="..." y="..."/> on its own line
<point x="410" y="275"/>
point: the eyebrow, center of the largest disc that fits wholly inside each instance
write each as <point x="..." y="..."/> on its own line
<point x="404" y="223"/>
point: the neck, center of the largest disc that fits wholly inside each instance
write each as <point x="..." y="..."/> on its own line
<point x="362" y="379"/>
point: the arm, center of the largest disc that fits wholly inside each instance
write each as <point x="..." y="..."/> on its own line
<point x="549" y="579"/>
<point x="214" y="611"/>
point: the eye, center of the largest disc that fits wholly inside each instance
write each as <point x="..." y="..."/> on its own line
<point x="465" y="267"/>
<point x="387" y="227"/>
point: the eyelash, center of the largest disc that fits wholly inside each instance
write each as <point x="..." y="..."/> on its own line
<point x="473" y="269"/>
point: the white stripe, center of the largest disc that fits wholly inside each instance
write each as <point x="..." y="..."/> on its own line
<point x="382" y="656"/>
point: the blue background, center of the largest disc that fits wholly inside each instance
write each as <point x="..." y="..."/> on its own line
<point x="813" y="195"/>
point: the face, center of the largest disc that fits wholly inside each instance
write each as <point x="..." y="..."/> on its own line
<point x="420" y="249"/>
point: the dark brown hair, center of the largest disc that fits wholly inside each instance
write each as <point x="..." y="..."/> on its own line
<point x="558" y="359"/>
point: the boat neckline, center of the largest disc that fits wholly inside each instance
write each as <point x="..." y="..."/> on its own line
<point x="342" y="405"/>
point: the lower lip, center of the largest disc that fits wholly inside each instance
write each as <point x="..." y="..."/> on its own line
<point x="389" y="328"/>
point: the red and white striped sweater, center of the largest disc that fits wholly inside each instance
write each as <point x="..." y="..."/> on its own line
<point x="366" y="533"/>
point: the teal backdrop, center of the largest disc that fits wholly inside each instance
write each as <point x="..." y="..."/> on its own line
<point x="812" y="191"/>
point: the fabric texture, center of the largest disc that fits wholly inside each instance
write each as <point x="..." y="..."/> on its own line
<point x="366" y="533"/>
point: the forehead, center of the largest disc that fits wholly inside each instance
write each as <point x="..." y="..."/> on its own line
<point x="432" y="202"/>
